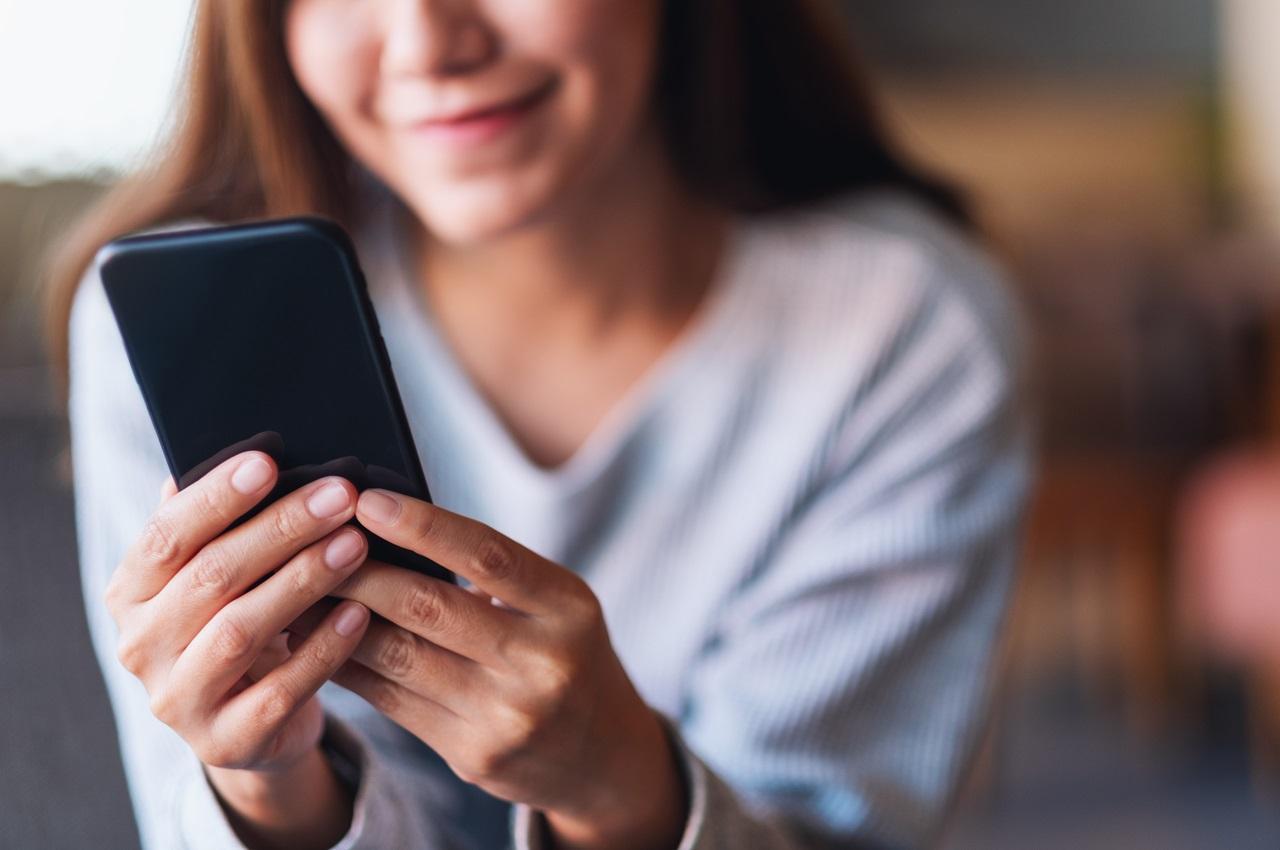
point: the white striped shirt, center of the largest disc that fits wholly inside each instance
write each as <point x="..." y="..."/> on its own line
<point x="801" y="524"/>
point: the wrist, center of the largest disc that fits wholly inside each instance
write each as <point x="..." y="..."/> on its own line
<point x="301" y="806"/>
<point x="645" y="807"/>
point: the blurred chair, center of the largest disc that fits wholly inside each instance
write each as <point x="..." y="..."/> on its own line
<point x="1096" y="577"/>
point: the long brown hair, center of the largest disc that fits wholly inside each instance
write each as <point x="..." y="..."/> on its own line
<point x="763" y="105"/>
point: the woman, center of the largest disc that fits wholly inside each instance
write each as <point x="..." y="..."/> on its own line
<point x="718" y="403"/>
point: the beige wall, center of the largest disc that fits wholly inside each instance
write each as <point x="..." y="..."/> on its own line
<point x="1252" y="70"/>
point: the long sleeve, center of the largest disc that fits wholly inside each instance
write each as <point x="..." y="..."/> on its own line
<point x="848" y="690"/>
<point x="826" y="684"/>
<point x="847" y="685"/>
<point x="406" y="796"/>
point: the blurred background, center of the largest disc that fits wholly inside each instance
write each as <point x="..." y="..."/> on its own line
<point x="1124" y="158"/>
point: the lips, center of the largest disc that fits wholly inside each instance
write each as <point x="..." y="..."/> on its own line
<point x="489" y="110"/>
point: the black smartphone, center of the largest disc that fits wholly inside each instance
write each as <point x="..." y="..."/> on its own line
<point x="262" y="335"/>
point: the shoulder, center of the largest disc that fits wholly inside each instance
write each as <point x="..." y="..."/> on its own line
<point x="886" y="345"/>
<point x="876" y="291"/>
<point x="884" y="264"/>
<point x="894" y="368"/>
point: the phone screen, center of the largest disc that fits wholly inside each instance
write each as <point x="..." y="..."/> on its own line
<point x="262" y="336"/>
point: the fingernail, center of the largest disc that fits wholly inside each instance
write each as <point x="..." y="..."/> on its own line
<point x="379" y="506"/>
<point x="343" y="549"/>
<point x="251" y="475"/>
<point x="329" y="500"/>
<point x="350" y="618"/>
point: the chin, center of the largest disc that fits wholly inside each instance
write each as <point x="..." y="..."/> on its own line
<point x="474" y="214"/>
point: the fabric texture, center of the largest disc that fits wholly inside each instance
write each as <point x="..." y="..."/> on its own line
<point x="801" y="524"/>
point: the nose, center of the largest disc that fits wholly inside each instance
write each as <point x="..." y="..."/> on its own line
<point x="435" y="37"/>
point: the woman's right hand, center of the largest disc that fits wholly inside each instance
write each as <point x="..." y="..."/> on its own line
<point x="200" y="609"/>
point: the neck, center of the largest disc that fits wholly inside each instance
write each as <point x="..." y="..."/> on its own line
<point x="577" y="267"/>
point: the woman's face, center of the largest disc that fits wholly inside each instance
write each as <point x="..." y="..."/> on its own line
<point x="480" y="114"/>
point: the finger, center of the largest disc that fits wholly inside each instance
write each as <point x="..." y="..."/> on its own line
<point x="275" y="653"/>
<point x="434" y="723"/>
<point x="442" y="613"/>
<point x="226" y="567"/>
<point x="306" y="622"/>
<point x="260" y="711"/>
<point x="227" y="646"/>
<point x="168" y="488"/>
<point x="493" y="562"/>
<point x="188" y="520"/>
<point x="420" y="666"/>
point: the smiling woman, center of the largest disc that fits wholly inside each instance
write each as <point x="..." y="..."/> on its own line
<point x="719" y="404"/>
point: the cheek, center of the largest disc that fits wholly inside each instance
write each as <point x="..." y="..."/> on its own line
<point x="605" y="51"/>
<point x="332" y="51"/>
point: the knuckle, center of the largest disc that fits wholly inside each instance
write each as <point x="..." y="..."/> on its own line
<point x="382" y="695"/>
<point x="285" y="523"/>
<point x="582" y="609"/>
<point x="163" y="703"/>
<point x="509" y="647"/>
<point x="425" y="607"/>
<point x="158" y="541"/>
<point x="464" y="774"/>
<point x="482" y="768"/>
<point x="131" y="652"/>
<point x="323" y="656"/>
<point x="212" y="573"/>
<point x="423" y="524"/>
<point x="504" y="751"/>
<point x="395" y="655"/>
<point x="494" y="559"/>
<point x="276" y="703"/>
<point x="556" y="681"/>
<point x="231" y="641"/>
<point x="583" y="597"/>
<point x="522" y="731"/>
<point x="304" y="576"/>
<point x="113" y="596"/>
<point x="492" y="764"/>
<point x="206" y="504"/>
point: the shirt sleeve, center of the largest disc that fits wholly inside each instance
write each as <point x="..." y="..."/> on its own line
<point x="405" y="796"/>
<point x="850" y="677"/>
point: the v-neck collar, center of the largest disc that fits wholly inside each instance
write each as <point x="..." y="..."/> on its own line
<point x="623" y="420"/>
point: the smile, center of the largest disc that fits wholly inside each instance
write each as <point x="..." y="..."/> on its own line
<point x="486" y="123"/>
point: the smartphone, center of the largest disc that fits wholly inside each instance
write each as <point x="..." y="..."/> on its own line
<point x="262" y="335"/>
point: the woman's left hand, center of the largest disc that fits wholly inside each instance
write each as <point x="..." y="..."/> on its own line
<point x="521" y="694"/>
